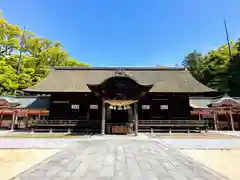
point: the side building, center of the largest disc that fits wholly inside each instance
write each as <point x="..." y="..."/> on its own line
<point x="112" y="100"/>
<point x="19" y="111"/>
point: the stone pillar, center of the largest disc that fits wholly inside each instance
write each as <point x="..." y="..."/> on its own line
<point x="136" y="117"/>
<point x="103" y="118"/>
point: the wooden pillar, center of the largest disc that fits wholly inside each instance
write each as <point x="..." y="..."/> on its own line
<point x="27" y="112"/>
<point x="13" y="120"/>
<point x="231" y="119"/>
<point x="103" y="118"/>
<point x="238" y="120"/>
<point x="136" y="117"/>
<point x="199" y="116"/>
<point x="1" y="118"/>
<point x="215" y="120"/>
<point x="16" y="121"/>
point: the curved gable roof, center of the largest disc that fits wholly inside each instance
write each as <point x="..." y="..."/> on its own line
<point x="225" y="100"/>
<point x="75" y="79"/>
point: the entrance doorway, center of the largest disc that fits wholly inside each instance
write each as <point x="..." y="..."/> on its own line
<point x="119" y="120"/>
<point x="119" y="116"/>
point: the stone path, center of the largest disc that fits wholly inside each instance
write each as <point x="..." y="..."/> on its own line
<point x="119" y="159"/>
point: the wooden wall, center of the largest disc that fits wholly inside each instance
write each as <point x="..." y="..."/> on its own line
<point x="74" y="106"/>
<point x="174" y="106"/>
<point x="164" y="106"/>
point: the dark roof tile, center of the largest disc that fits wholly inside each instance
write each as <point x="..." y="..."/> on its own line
<point x="75" y="79"/>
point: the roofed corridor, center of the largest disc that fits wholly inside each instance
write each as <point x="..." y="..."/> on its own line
<point x="119" y="158"/>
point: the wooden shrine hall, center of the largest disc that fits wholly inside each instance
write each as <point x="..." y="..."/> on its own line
<point x="120" y="100"/>
<point x="225" y="112"/>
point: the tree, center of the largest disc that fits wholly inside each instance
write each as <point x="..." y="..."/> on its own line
<point x="234" y="70"/>
<point x="194" y="63"/>
<point x="37" y="56"/>
<point x="216" y="69"/>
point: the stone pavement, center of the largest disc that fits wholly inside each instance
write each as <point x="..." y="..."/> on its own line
<point x="231" y="133"/>
<point x="119" y="159"/>
<point x="203" y="143"/>
<point x="4" y="132"/>
<point x="35" y="143"/>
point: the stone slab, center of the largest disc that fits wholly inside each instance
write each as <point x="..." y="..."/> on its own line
<point x="119" y="159"/>
<point x="203" y="143"/>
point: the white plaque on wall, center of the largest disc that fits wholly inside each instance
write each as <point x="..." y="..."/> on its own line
<point x="164" y="107"/>
<point x="145" y="106"/>
<point x="75" y="106"/>
<point x="93" y="106"/>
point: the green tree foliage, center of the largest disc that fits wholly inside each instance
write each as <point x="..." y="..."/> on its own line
<point x="25" y="59"/>
<point x="215" y="69"/>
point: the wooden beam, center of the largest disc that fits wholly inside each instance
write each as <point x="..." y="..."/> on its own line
<point x="231" y="119"/>
<point x="215" y="120"/>
<point x="136" y="117"/>
<point x="238" y="120"/>
<point x="103" y="117"/>
<point x="199" y="116"/>
<point x="13" y="121"/>
<point x="1" y="120"/>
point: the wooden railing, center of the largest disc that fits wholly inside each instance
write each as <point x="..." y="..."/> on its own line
<point x="173" y="123"/>
<point x="140" y="122"/>
<point x="170" y="121"/>
<point x="123" y="127"/>
<point x="61" y="122"/>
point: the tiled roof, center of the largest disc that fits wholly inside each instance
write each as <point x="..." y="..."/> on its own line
<point x="32" y="102"/>
<point x="225" y="100"/>
<point x="75" y="79"/>
<point x="199" y="102"/>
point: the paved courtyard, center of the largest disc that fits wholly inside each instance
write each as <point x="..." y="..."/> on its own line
<point x="32" y="143"/>
<point x="119" y="159"/>
<point x="15" y="161"/>
<point x="203" y="143"/>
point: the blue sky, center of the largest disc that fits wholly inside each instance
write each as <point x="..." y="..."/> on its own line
<point x="128" y="32"/>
